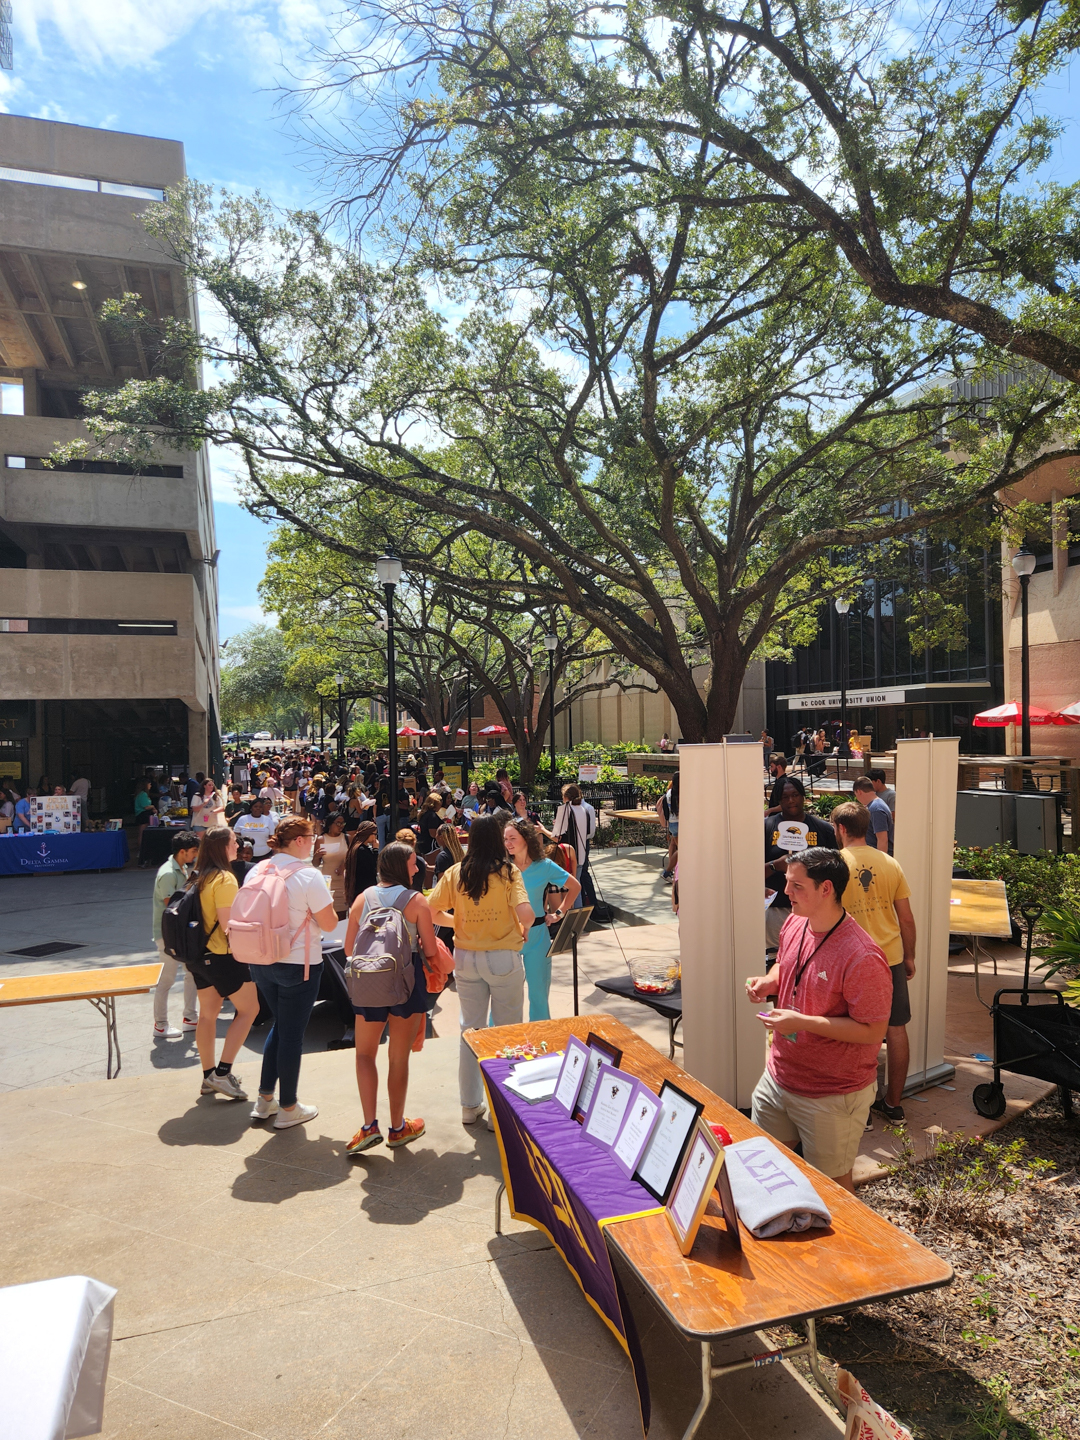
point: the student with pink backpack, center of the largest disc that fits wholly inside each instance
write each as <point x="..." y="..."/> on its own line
<point x="274" y="927"/>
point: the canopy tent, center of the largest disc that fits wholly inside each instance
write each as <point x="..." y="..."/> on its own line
<point x="1012" y="714"/>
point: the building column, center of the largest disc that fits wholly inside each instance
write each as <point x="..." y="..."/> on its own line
<point x="198" y="741"/>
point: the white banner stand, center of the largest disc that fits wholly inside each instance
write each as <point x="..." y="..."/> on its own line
<point x="722" y="915"/>
<point x="925" y="830"/>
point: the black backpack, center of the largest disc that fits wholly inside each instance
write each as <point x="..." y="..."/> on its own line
<point x="182" y="931"/>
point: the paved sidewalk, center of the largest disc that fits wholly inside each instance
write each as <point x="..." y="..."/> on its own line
<point x="270" y="1287"/>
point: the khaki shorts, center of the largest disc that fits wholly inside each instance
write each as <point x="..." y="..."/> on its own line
<point x="829" y="1126"/>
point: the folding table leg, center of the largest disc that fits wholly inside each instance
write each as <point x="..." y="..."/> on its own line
<point x="106" y="1005"/>
<point x="706" y="1391"/>
<point x="815" y="1368"/>
<point x="498" y="1208"/>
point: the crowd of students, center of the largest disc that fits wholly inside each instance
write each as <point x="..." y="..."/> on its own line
<point x="493" y="900"/>
<point x="840" y="939"/>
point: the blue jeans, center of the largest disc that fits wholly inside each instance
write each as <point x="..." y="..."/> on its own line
<point x="291" y="999"/>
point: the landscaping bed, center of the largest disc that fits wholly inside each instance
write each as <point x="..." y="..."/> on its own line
<point x="997" y="1353"/>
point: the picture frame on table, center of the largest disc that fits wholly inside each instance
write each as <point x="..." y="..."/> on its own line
<point x="612" y="1093"/>
<point x="571" y="1074"/>
<point x="663" y="1154"/>
<point x="601" y="1052"/>
<point x="641" y="1116"/>
<point x="698" y="1174"/>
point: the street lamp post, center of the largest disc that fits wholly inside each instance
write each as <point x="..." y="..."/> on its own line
<point x="388" y="571"/>
<point x="1024" y="565"/>
<point x="551" y="644"/>
<point x="468" y="723"/>
<point x="843" y="749"/>
<point x="340" y="679"/>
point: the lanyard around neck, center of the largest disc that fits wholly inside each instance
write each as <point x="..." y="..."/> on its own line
<point x="804" y="963"/>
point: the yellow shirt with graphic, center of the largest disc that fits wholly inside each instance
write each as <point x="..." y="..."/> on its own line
<point x="876" y="882"/>
<point x="491" y="922"/>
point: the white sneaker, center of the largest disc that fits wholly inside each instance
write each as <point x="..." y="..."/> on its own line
<point x="296" y="1116"/>
<point x="165" y="1032"/>
<point x="227" y="1085"/>
<point x="491" y="1122"/>
<point x="189" y="1027"/>
<point x="471" y="1113"/>
<point x="263" y="1108"/>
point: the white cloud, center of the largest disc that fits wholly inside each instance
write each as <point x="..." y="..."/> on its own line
<point x="225" y="477"/>
<point x="111" y="34"/>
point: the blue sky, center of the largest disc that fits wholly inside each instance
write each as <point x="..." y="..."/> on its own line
<point x="201" y="71"/>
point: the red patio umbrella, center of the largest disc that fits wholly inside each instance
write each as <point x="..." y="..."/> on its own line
<point x="1012" y="714"/>
<point x="494" y="730"/>
<point x="408" y="730"/>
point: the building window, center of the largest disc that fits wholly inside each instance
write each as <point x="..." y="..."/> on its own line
<point x="80" y="182"/>
<point x="11" y="397"/>
<point x="40" y="626"/>
<point x="93" y="467"/>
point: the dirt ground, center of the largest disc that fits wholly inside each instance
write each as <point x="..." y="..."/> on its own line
<point x="995" y="1355"/>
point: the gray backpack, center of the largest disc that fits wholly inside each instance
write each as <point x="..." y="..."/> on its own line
<point x="380" y="969"/>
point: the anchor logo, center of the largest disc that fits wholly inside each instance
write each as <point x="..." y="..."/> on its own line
<point x="43" y="851"/>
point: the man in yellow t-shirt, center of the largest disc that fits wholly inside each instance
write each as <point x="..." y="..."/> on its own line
<point x="879" y="899"/>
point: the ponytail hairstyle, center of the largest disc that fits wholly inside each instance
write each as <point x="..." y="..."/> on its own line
<point x="288" y="830"/>
<point x="446" y="837"/>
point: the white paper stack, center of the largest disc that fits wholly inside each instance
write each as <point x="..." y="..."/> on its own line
<point x="535" y="1080"/>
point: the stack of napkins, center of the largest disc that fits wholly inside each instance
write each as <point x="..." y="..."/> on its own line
<point x="535" y="1080"/>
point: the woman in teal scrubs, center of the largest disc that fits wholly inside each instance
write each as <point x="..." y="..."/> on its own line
<point x="524" y="845"/>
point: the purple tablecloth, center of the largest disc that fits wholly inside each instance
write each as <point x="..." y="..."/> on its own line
<point x="567" y="1187"/>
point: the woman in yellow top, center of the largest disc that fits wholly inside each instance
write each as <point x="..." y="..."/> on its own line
<point x="491" y="918"/>
<point x="217" y="975"/>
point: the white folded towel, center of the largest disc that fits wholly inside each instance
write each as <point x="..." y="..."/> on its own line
<point x="771" y="1193"/>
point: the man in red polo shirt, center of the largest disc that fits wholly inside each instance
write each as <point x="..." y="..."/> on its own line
<point x="833" y="991"/>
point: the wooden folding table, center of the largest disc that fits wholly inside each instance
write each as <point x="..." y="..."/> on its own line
<point x="719" y="1291"/>
<point x="100" y="987"/>
<point x="979" y="907"/>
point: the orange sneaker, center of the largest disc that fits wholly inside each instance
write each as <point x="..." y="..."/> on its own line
<point x="364" y="1139"/>
<point x="408" y="1131"/>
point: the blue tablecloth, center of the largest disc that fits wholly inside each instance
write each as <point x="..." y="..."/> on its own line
<point x="45" y="854"/>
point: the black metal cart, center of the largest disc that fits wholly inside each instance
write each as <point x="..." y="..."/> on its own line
<point x="1038" y="1035"/>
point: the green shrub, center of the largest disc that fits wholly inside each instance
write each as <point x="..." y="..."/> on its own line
<point x="826" y="802"/>
<point x="1062" y="956"/>
<point x="1047" y="880"/>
